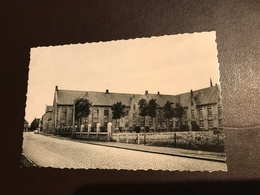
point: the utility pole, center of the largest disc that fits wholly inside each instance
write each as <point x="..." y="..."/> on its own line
<point x="73" y="119"/>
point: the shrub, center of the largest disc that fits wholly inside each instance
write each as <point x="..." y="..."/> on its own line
<point x="184" y="128"/>
<point x="137" y="129"/>
<point x="194" y="126"/>
<point x="147" y="129"/>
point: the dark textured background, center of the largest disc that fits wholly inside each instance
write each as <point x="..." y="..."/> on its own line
<point x="25" y="24"/>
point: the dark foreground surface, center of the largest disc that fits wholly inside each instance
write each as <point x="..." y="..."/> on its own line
<point x="25" y="162"/>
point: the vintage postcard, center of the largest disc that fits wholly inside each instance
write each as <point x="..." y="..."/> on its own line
<point x="140" y="104"/>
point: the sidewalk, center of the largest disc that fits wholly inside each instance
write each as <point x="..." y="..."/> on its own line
<point x="202" y="155"/>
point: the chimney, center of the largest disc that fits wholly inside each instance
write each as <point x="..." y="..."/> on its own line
<point x="158" y="92"/>
<point x="211" y="82"/>
<point x="146" y="92"/>
<point x="191" y="93"/>
<point x="56" y="88"/>
<point x="107" y="91"/>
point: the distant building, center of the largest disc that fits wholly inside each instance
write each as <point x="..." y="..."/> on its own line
<point x="46" y="122"/>
<point x="26" y="125"/>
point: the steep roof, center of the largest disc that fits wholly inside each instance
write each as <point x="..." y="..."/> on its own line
<point x="66" y="97"/>
<point x="203" y="96"/>
<point x="161" y="99"/>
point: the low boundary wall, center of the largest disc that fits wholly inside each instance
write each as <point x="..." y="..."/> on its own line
<point x="199" y="140"/>
<point x="101" y="136"/>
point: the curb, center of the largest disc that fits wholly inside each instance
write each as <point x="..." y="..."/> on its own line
<point x="30" y="161"/>
<point x="164" y="153"/>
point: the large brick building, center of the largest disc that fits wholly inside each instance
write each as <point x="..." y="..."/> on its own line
<point x="203" y="107"/>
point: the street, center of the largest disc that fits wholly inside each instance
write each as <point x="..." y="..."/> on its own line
<point x="47" y="151"/>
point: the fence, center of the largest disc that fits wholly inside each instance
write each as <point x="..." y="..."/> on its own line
<point x="100" y="136"/>
<point x="199" y="140"/>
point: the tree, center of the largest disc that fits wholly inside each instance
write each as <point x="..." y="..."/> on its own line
<point x="168" y="111"/>
<point x="82" y="109"/>
<point x="34" y="124"/>
<point x="143" y="108"/>
<point x="152" y="109"/>
<point x="179" y="112"/>
<point x="118" y="110"/>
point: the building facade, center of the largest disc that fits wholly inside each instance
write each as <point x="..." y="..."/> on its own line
<point x="26" y="125"/>
<point x="46" y="121"/>
<point x="203" y="109"/>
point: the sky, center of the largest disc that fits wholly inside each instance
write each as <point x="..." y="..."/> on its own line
<point x="171" y="64"/>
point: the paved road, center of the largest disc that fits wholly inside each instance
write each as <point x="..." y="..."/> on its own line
<point x="47" y="151"/>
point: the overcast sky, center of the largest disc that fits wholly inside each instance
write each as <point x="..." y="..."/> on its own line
<point x="169" y="64"/>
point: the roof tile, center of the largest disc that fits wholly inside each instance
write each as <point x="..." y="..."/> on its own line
<point x="203" y="96"/>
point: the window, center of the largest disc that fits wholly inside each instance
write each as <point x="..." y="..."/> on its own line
<point x="185" y="113"/>
<point x="63" y="112"/>
<point x="126" y="112"/>
<point x="134" y="116"/>
<point x="164" y="123"/>
<point x="95" y="113"/>
<point x="200" y="113"/>
<point x="150" y="122"/>
<point x="201" y="123"/>
<point x="126" y="123"/>
<point x="106" y="113"/>
<point x="209" y="111"/>
<point x="84" y="120"/>
<point x="142" y="122"/>
<point x="219" y="110"/>
<point x="192" y="114"/>
<point x="177" y="123"/>
<point x="159" y="113"/>
<point x="210" y="123"/>
<point x="63" y="116"/>
<point x="63" y="121"/>
<point x="171" y="123"/>
<point x="159" y="122"/>
<point x="220" y="122"/>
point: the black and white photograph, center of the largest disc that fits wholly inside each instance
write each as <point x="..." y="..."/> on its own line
<point x="151" y="103"/>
